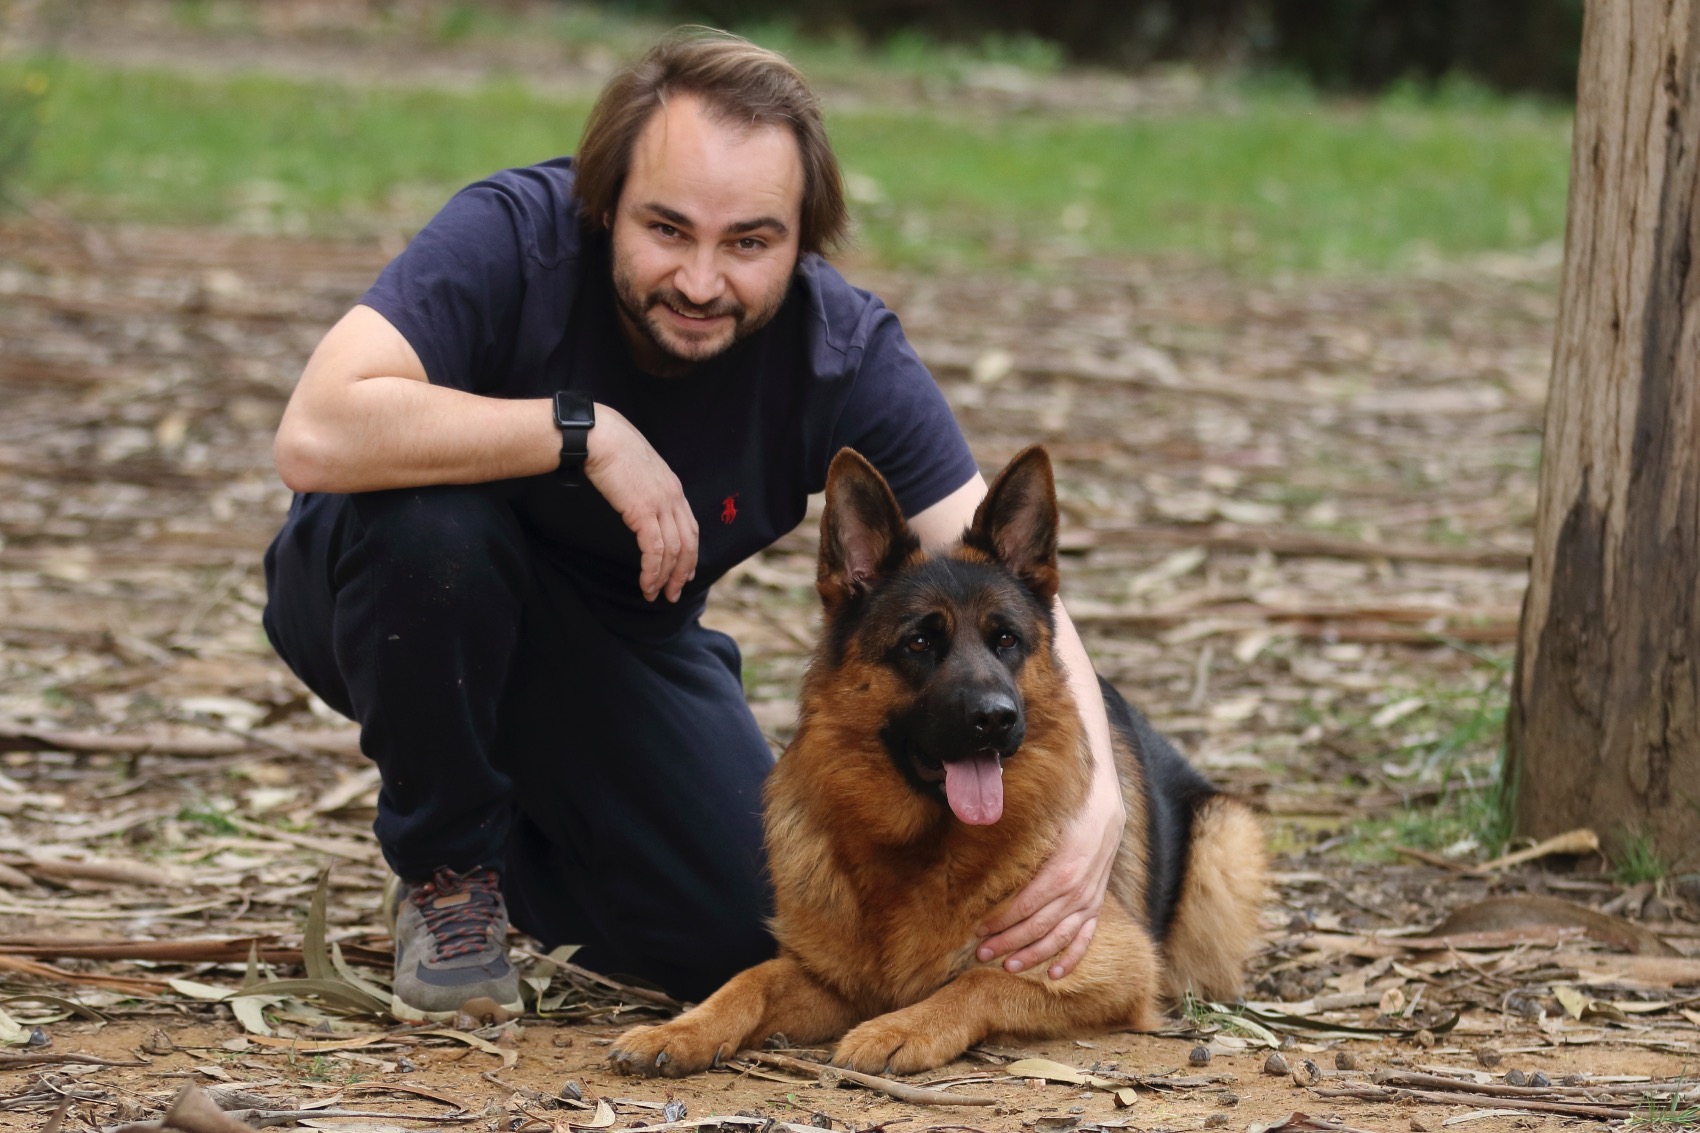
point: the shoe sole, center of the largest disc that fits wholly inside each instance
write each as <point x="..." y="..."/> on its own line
<point x="408" y="1013"/>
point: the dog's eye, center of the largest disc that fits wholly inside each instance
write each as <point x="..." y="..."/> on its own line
<point x="1005" y="639"/>
<point x="918" y="643"/>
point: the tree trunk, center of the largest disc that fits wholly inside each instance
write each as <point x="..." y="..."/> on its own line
<point x="1603" y="730"/>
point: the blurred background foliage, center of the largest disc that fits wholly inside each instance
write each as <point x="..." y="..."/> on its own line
<point x="1260" y="135"/>
<point x="1362" y="45"/>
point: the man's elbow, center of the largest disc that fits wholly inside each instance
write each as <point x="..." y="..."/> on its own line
<point x="304" y="460"/>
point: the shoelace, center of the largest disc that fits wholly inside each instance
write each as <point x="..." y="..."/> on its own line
<point x="463" y="927"/>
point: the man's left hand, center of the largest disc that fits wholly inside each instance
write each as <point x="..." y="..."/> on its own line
<point x="1054" y="916"/>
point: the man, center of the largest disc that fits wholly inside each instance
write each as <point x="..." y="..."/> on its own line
<point x="585" y="391"/>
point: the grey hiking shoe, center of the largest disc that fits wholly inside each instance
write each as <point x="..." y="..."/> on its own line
<point x="451" y="945"/>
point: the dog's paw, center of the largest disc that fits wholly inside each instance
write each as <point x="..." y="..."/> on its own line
<point x="895" y="1044"/>
<point x="670" y="1050"/>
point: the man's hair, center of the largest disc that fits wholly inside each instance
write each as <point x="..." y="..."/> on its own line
<point x="739" y="83"/>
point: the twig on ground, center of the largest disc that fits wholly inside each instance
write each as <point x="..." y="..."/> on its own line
<point x="192" y="1112"/>
<point x="139" y="986"/>
<point x="1306" y="545"/>
<point x="736" y="1121"/>
<point x="10" y="1061"/>
<point x="338" y="848"/>
<point x="1498" y="1089"/>
<point x="58" y="1118"/>
<point x="902" y="1091"/>
<point x="644" y="994"/>
<point x="124" y="873"/>
<point x="1471" y="1097"/>
<point x="16" y="737"/>
<point x="1305" y="1123"/>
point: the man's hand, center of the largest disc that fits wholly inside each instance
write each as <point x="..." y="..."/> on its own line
<point x="632" y="477"/>
<point x="1054" y="916"/>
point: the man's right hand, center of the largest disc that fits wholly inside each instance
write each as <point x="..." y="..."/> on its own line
<point x="638" y="484"/>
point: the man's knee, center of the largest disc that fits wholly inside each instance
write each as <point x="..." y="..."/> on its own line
<point x="440" y="544"/>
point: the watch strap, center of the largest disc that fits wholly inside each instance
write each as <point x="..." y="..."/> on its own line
<point x="575" y="416"/>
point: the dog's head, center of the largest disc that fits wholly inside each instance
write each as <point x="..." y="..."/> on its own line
<point x="955" y="633"/>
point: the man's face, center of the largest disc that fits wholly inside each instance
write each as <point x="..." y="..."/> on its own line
<point x="704" y="235"/>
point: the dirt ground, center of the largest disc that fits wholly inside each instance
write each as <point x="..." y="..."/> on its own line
<point x="1296" y="518"/>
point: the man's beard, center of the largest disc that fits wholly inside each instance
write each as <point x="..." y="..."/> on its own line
<point x="679" y="355"/>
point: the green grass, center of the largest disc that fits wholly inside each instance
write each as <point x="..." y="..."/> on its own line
<point x="1459" y="754"/>
<point x="209" y="820"/>
<point x="1285" y="182"/>
<point x="1278" y="180"/>
<point x="1670" y="1114"/>
<point x="275" y="154"/>
<point x="1465" y="814"/>
<point x="1637" y="859"/>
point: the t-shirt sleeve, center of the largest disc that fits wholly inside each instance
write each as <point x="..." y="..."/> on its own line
<point x="896" y="416"/>
<point x="456" y="292"/>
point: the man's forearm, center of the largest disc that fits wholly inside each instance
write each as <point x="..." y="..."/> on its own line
<point x="1083" y="683"/>
<point x="392" y="432"/>
<point x="365" y="416"/>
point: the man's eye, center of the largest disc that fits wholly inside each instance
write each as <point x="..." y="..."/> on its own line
<point x="750" y="244"/>
<point x="666" y="230"/>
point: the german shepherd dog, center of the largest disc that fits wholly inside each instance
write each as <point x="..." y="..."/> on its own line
<point x="938" y="755"/>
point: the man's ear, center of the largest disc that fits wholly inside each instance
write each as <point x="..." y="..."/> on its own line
<point x="1017" y="521"/>
<point x="863" y="535"/>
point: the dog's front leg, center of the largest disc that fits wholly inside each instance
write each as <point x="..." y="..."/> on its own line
<point x="988" y="1001"/>
<point x="778" y="996"/>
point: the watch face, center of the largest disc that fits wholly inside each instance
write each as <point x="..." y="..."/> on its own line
<point x="574" y="411"/>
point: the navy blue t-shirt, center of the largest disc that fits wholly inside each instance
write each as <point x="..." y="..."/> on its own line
<point x="503" y="294"/>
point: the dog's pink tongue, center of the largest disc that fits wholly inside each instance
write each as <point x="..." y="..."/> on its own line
<point x="974" y="787"/>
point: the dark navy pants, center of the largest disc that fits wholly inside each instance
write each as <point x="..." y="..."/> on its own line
<point x="615" y="780"/>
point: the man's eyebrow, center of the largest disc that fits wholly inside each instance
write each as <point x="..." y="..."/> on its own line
<point x="679" y="220"/>
<point x="758" y="223"/>
<point x="672" y="216"/>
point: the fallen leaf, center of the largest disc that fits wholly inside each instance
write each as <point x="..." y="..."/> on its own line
<point x="250" y="1012"/>
<point x="1479" y="1114"/>
<point x="405" y="1088"/>
<point x="603" y="1118"/>
<point x="1396" y="711"/>
<point x="1057" y="1072"/>
<point x="508" y="1057"/>
<point x="195" y="990"/>
<point x="304" y="1046"/>
<point x="1582" y="841"/>
<point x="1533" y="913"/>
<point x="1573" y="1001"/>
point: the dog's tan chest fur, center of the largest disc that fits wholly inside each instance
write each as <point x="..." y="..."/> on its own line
<point x="896" y="924"/>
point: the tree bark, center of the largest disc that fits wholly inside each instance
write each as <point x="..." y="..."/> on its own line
<point x="1602" y="729"/>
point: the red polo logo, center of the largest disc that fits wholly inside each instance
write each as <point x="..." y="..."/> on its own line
<point x="729" y="508"/>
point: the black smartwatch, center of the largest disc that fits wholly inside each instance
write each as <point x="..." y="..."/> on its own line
<point x="575" y="416"/>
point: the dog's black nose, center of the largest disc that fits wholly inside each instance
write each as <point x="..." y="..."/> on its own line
<point x="992" y="717"/>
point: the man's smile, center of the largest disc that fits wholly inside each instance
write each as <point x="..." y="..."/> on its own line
<point x="693" y="321"/>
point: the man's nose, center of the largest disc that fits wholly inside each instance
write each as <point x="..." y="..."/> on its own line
<point x="699" y="278"/>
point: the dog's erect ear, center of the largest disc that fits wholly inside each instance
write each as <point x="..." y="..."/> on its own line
<point x="862" y="534"/>
<point x="1017" y="521"/>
